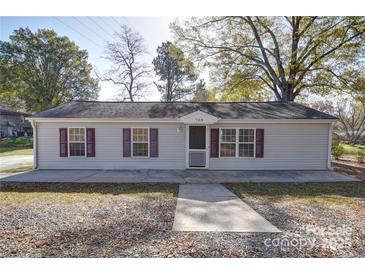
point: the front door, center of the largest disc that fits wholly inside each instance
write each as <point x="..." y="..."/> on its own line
<point x="197" y="147"/>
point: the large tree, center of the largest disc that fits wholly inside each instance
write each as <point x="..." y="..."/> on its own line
<point x="128" y="70"/>
<point x="288" y="55"/>
<point x="40" y="70"/>
<point x="202" y="93"/>
<point x="351" y="117"/>
<point x="176" y="73"/>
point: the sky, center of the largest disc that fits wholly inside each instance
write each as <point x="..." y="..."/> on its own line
<point x="91" y="32"/>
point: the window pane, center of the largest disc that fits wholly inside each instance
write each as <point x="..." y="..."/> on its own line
<point x="246" y="135"/>
<point x="77" y="149"/>
<point x="140" y="149"/>
<point x="246" y="150"/>
<point x="140" y="134"/>
<point x="228" y="150"/>
<point x="228" y="135"/>
<point x="77" y="134"/>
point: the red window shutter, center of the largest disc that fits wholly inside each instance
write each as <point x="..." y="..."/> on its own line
<point x="259" y="143"/>
<point x="153" y="142"/>
<point x="214" y="142"/>
<point x="63" y="142"/>
<point x="126" y="142"/>
<point x="90" y="138"/>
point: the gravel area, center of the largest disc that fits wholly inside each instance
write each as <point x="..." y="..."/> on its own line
<point x="65" y="220"/>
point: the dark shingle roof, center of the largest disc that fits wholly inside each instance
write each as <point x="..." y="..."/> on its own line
<point x="8" y="111"/>
<point x="173" y="110"/>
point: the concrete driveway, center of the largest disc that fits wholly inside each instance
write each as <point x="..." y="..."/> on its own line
<point x="7" y="162"/>
<point x="178" y="176"/>
<point x="16" y="161"/>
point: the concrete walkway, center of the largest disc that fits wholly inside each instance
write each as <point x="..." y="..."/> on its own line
<point x="178" y="176"/>
<point x="212" y="207"/>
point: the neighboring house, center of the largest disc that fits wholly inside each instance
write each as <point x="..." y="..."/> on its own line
<point x="13" y="123"/>
<point x="158" y="135"/>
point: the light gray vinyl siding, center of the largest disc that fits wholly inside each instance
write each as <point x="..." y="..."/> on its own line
<point x="286" y="146"/>
<point x="109" y="145"/>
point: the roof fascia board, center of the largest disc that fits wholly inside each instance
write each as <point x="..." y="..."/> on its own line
<point x="221" y="121"/>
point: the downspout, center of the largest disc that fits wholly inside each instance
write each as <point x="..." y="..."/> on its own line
<point x="329" y="146"/>
<point x="35" y="148"/>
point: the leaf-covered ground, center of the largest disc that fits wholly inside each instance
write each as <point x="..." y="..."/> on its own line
<point x="65" y="220"/>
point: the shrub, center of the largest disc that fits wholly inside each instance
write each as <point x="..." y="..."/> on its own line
<point x="337" y="150"/>
<point x="360" y="156"/>
<point x="16" y="142"/>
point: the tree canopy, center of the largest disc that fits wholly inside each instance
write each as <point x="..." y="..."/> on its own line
<point x="202" y="93"/>
<point x="176" y="73"/>
<point x="288" y="55"/>
<point x="41" y="70"/>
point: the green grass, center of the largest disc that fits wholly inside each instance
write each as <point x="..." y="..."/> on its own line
<point x="323" y="193"/>
<point x="30" y="193"/>
<point x="350" y="149"/>
<point x="16" y="146"/>
<point x="16" y="142"/>
<point x="15" y="151"/>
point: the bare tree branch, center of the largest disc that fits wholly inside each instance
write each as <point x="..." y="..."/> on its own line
<point x="127" y="71"/>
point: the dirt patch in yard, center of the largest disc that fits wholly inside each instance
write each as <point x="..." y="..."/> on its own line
<point x="351" y="168"/>
<point x="104" y="220"/>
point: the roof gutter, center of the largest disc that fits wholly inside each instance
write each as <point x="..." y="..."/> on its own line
<point x="35" y="147"/>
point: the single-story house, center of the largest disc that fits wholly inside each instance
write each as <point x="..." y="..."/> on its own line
<point x="182" y="135"/>
<point x="13" y="123"/>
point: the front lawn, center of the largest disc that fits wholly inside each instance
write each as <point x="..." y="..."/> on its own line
<point x="329" y="215"/>
<point x="130" y="220"/>
<point x="351" y="149"/>
<point x="16" y="146"/>
<point x="84" y="220"/>
<point x="16" y="142"/>
<point x="15" y="151"/>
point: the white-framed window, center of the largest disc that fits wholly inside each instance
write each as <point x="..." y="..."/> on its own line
<point x="237" y="142"/>
<point x="77" y="141"/>
<point x="246" y="142"/>
<point x="227" y="142"/>
<point x="140" y="142"/>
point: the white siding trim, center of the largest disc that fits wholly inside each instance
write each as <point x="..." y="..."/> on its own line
<point x="329" y="146"/>
<point x="207" y="146"/>
<point x="187" y="132"/>
<point x="35" y="145"/>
